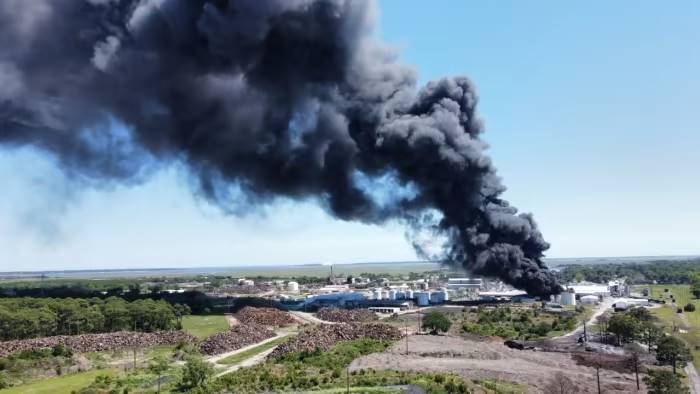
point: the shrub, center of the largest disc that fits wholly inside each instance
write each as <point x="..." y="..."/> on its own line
<point x="3" y="382"/>
<point x="689" y="308"/>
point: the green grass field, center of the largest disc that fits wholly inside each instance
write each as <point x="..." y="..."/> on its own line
<point x="60" y="385"/>
<point x="238" y="357"/>
<point x="204" y="326"/>
<point x="669" y="318"/>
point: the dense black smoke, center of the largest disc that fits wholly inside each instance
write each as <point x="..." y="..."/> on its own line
<point x="262" y="99"/>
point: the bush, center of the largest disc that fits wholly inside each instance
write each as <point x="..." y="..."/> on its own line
<point x="689" y="308"/>
<point x="679" y="310"/>
<point x="61" y="350"/>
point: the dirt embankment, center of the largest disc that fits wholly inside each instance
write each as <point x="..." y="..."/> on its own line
<point x="493" y="360"/>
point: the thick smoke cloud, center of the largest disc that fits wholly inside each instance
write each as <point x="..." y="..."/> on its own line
<point x="262" y="99"/>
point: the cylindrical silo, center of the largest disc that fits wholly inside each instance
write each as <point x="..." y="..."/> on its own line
<point x="422" y="298"/>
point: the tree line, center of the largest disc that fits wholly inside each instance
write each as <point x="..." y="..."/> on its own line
<point x="639" y="325"/>
<point x="657" y="271"/>
<point x="23" y="318"/>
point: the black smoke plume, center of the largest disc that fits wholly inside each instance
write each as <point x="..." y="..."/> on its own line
<point x="263" y="99"/>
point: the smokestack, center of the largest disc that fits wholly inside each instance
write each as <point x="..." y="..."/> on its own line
<point x="263" y="99"/>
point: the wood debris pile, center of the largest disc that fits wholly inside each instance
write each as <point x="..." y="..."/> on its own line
<point x="346" y="315"/>
<point x="98" y="342"/>
<point x="264" y="317"/>
<point x="237" y="337"/>
<point x="324" y="336"/>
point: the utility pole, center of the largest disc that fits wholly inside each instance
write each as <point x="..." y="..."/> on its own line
<point x="585" y="335"/>
<point x="597" y="375"/>
<point x="635" y="359"/>
<point x="406" y="328"/>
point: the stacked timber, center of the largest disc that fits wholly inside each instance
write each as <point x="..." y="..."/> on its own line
<point x="270" y="317"/>
<point x="346" y="315"/>
<point x="98" y="342"/>
<point x="237" y="337"/>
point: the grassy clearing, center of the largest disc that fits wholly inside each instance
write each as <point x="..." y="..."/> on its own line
<point x="60" y="385"/>
<point x="204" y="326"/>
<point x="238" y="357"/>
<point x="669" y="318"/>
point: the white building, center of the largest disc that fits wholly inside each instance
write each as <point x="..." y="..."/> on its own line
<point x="589" y="300"/>
<point x="464" y="283"/>
<point x="590" y="289"/>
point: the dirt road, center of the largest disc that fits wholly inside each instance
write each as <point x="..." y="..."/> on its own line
<point x="602" y="307"/>
<point x="493" y="360"/>
<point x="305" y="317"/>
<point x="255" y="359"/>
<point x="693" y="379"/>
<point x="216" y="358"/>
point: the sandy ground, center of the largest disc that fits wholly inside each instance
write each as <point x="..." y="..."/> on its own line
<point x="493" y="360"/>
<point x="231" y="319"/>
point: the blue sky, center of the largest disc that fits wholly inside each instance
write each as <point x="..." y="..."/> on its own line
<point x="590" y="110"/>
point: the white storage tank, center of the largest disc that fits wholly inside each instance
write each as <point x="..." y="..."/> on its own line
<point x="568" y="298"/>
<point x="293" y="286"/>
<point x="422" y="298"/>
<point x="378" y="294"/>
<point x="392" y="294"/>
<point x="409" y="294"/>
<point x="445" y="294"/>
<point x="385" y="295"/>
<point x="589" y="300"/>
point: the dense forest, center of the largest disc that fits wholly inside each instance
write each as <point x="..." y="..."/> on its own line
<point x="22" y="318"/>
<point x="656" y="271"/>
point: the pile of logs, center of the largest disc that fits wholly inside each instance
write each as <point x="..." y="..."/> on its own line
<point x="98" y="342"/>
<point x="264" y="317"/>
<point x="324" y="336"/>
<point x="237" y="337"/>
<point x="346" y="315"/>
